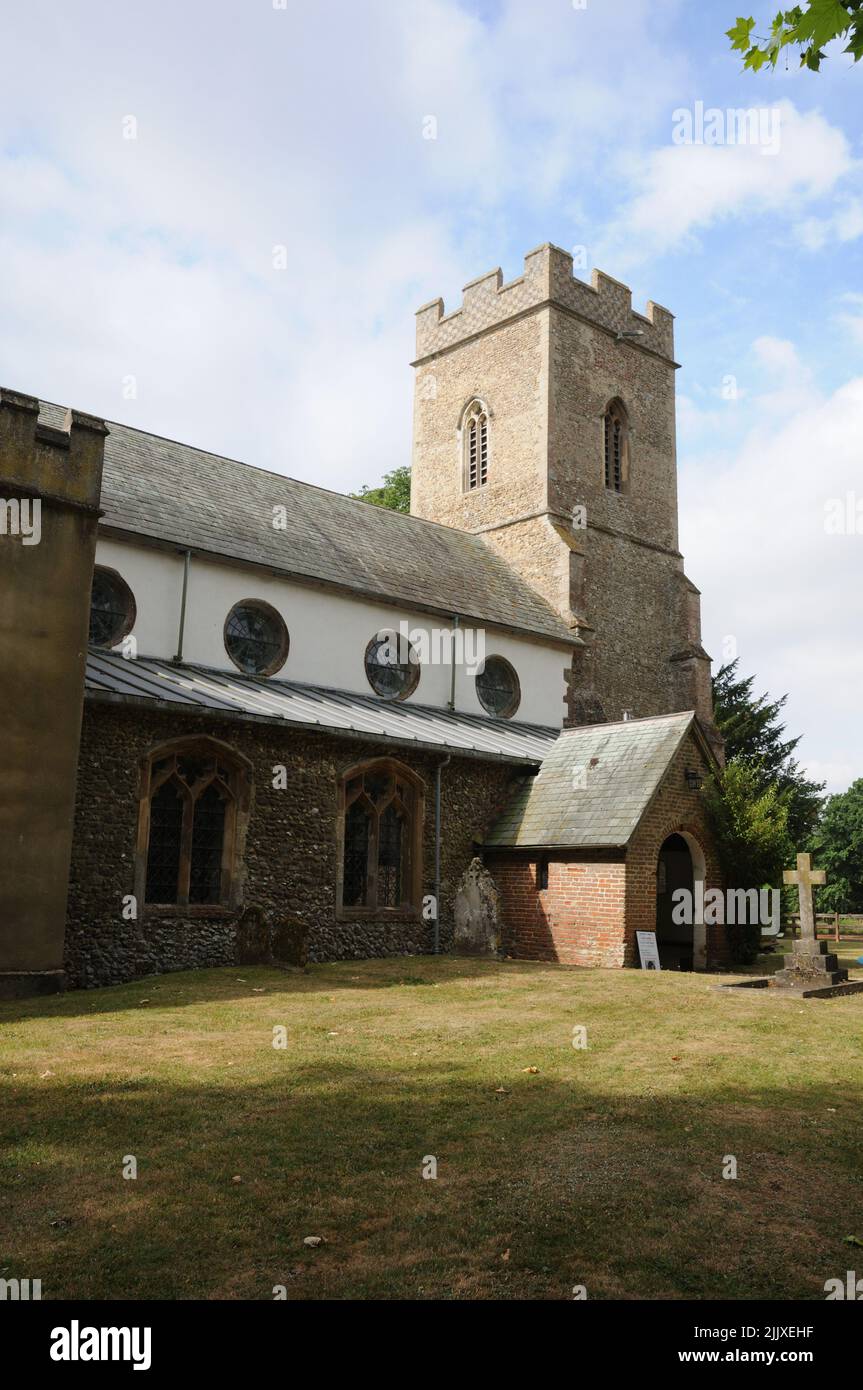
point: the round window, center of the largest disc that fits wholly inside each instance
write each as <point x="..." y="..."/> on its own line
<point x="497" y="688"/>
<point x="112" y="608"/>
<point x="392" y="666"/>
<point x="256" y="638"/>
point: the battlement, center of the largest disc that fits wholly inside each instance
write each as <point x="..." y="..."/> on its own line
<point x="63" y="464"/>
<point x="548" y="277"/>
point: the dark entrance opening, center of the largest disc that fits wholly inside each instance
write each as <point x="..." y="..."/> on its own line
<point x="674" y="870"/>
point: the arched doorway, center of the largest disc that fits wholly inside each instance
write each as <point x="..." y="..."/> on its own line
<point x="682" y="945"/>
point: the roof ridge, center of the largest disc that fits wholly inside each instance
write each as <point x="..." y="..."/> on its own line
<point x="619" y="723"/>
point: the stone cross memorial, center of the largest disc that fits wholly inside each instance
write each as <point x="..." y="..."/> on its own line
<point x="812" y="970"/>
<point x="805" y="877"/>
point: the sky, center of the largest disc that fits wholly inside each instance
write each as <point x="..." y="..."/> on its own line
<point x="218" y="218"/>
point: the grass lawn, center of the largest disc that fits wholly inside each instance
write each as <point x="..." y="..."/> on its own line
<point x="603" y="1167"/>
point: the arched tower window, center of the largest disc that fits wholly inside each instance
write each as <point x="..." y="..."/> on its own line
<point x="380" y="832"/>
<point x="616" y="445"/>
<point x="193" y="807"/>
<point x="474" y="441"/>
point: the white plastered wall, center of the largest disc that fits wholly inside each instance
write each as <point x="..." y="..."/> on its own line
<point x="328" y="631"/>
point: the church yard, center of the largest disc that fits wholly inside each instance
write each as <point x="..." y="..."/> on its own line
<point x="558" y="1166"/>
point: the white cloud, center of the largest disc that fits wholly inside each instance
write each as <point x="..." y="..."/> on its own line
<point x="792" y="386"/>
<point x="788" y="591"/>
<point x="845" y="224"/>
<point x="299" y="128"/>
<point x="680" y="190"/>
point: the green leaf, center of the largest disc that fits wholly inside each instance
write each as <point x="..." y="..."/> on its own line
<point x="855" y="46"/>
<point x="740" y="35"/>
<point x="809" y="28"/>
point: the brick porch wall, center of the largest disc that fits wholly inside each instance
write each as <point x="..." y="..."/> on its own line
<point x="596" y="901"/>
<point x="674" y="810"/>
<point x="578" y="920"/>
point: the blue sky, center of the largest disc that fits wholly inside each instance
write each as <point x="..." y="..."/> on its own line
<point x="138" y="277"/>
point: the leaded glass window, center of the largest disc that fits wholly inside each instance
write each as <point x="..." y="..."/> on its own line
<point x="380" y="841"/>
<point x="390" y="854"/>
<point x="191" y="799"/>
<point x="208" y="833"/>
<point x="256" y="638"/>
<point x="497" y="688"/>
<point x="392" y="666"/>
<point x="166" y="832"/>
<point x="112" y="608"/>
<point x="356" y="875"/>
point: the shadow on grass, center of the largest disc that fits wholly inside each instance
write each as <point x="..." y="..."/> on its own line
<point x="176" y="989"/>
<point x="544" y="1184"/>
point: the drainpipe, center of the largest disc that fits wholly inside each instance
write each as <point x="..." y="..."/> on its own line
<point x="187" y="564"/>
<point x="437" y="774"/>
<point x="451" y="704"/>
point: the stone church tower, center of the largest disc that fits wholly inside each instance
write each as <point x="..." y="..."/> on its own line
<point x="544" y="421"/>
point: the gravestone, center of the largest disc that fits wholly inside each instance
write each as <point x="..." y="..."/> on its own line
<point x="477" y="913"/>
<point x="253" y="937"/>
<point x="812" y="970"/>
<point x="289" y="944"/>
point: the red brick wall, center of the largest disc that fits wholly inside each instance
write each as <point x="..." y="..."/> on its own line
<point x="594" y="905"/>
<point x="674" y="809"/>
<point x="578" y="920"/>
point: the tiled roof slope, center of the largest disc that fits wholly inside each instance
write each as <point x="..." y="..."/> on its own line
<point x="173" y="492"/>
<point x="594" y="785"/>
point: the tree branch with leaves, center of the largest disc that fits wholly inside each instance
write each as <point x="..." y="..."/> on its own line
<point x="394" y="492"/>
<point x="808" y="28"/>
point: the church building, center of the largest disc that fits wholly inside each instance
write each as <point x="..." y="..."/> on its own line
<point x="233" y="698"/>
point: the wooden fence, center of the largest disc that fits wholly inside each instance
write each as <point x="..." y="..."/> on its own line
<point x="832" y="926"/>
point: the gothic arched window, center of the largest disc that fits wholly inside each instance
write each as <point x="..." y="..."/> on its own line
<point x="616" y="446"/>
<point x="380" y="840"/>
<point x="193" y="808"/>
<point x="474" y="438"/>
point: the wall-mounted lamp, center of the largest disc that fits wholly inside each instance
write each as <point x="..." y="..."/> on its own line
<point x="694" y="780"/>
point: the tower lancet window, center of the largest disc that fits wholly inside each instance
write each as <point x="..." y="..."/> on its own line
<point x="616" y="445"/>
<point x="474" y="434"/>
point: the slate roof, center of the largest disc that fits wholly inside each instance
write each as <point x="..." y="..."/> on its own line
<point x="172" y="492"/>
<point x="593" y="787"/>
<point x="111" y="677"/>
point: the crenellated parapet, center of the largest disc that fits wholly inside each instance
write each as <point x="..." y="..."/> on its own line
<point x="548" y="278"/>
<point x="50" y="483"/>
<point x="63" y="465"/>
